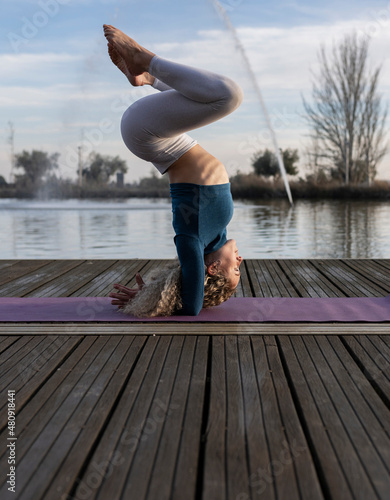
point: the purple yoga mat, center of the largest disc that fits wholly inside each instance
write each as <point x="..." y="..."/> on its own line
<point x="248" y="309"/>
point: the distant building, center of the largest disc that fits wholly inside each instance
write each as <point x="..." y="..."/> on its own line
<point x="120" y="180"/>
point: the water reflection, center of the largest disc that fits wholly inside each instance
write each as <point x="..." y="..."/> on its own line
<point x="325" y="229"/>
<point x="143" y="228"/>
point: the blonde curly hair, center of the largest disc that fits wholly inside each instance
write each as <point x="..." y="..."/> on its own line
<point x="161" y="295"/>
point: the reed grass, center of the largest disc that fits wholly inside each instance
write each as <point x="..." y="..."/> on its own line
<point x="243" y="186"/>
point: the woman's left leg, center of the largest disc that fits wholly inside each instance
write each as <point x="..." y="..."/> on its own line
<point x="154" y="128"/>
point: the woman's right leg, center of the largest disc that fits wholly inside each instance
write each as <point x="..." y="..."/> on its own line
<point x="202" y="97"/>
<point x="196" y="84"/>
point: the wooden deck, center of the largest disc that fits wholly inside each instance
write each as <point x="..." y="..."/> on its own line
<point x="197" y="411"/>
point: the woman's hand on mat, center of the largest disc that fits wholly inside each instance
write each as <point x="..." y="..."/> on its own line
<point x="126" y="294"/>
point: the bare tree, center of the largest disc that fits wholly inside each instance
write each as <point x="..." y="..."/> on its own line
<point x="346" y="117"/>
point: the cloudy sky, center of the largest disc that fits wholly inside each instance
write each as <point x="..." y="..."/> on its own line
<point x="60" y="89"/>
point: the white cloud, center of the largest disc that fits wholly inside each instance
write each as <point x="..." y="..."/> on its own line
<point x="24" y="64"/>
<point x="281" y="59"/>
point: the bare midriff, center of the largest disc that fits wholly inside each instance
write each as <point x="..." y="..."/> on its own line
<point x="197" y="166"/>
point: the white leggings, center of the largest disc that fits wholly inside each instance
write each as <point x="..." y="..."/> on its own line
<point x="154" y="127"/>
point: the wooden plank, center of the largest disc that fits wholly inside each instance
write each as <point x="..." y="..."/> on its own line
<point x="363" y="427"/>
<point x="366" y="280"/>
<point x="30" y="360"/>
<point x="172" y="414"/>
<point x="261" y="281"/>
<point x="118" y="272"/>
<point x="374" y="366"/>
<point x="26" y="284"/>
<point x="69" y="282"/>
<point x="6" y="342"/>
<point x="125" y="430"/>
<point x="331" y="272"/>
<point x="106" y="455"/>
<point x="315" y="280"/>
<point x="347" y="280"/>
<point x="189" y="454"/>
<point x="99" y="280"/>
<point x="354" y="449"/>
<point x="34" y="417"/>
<point x="379" y="353"/>
<point x="34" y="369"/>
<point x="12" y="270"/>
<point x="295" y="449"/>
<point x="19" y="355"/>
<point x="8" y="263"/>
<point x="7" y="351"/>
<point x="315" y="275"/>
<point x="385" y="339"/>
<point x="53" y="385"/>
<point x="254" y="278"/>
<point x="13" y="350"/>
<point x="259" y="459"/>
<point x="285" y="483"/>
<point x="382" y="347"/>
<point x="237" y="468"/>
<point x="195" y="329"/>
<point x="150" y="267"/>
<point x="299" y="282"/>
<point x="330" y="406"/>
<point x="362" y="384"/>
<point x="384" y="263"/>
<point x="277" y="281"/>
<point x="310" y="398"/>
<point x="244" y="287"/>
<point x="372" y="271"/>
<point x="118" y="367"/>
<point x="139" y="476"/>
<point x="157" y="477"/>
<point x="41" y="460"/>
<point x="214" y="468"/>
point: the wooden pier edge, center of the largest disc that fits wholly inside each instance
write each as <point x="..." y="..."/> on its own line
<point x="195" y="329"/>
<point x="197" y="411"/>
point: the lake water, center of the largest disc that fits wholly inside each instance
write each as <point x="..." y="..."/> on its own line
<point x="142" y="228"/>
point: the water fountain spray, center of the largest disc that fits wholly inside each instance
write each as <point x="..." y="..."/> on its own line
<point x="222" y="12"/>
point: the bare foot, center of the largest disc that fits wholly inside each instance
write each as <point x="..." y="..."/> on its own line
<point x="135" y="57"/>
<point x="137" y="81"/>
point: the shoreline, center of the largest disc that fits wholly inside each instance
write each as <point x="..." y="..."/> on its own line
<point x="248" y="190"/>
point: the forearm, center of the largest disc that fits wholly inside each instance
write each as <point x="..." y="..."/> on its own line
<point x="192" y="275"/>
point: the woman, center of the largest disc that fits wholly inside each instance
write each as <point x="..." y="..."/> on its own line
<point x="154" y="128"/>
